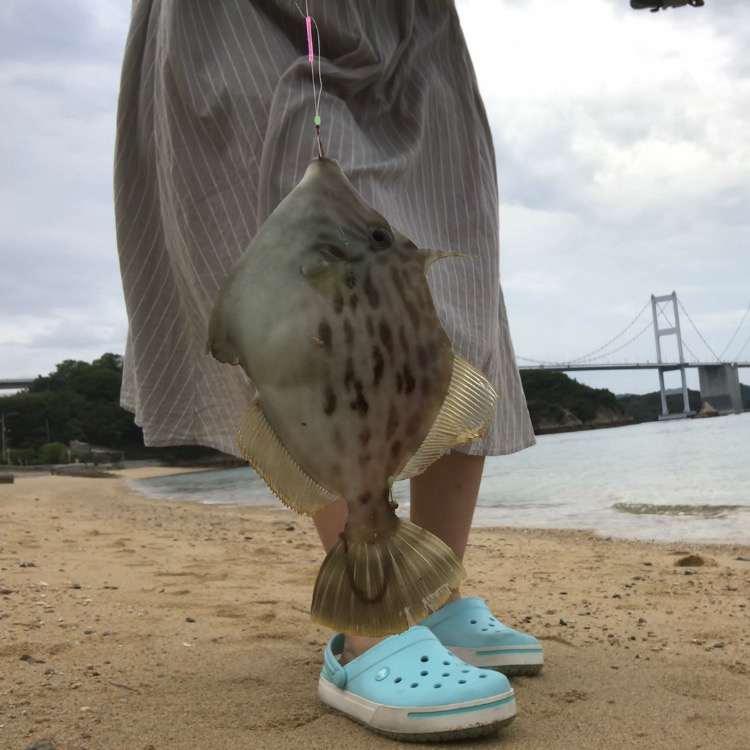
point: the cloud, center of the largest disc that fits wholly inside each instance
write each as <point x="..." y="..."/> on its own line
<point x="622" y="141"/>
<point x="59" y="292"/>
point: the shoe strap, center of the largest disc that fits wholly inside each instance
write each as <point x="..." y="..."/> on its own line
<point x="332" y="670"/>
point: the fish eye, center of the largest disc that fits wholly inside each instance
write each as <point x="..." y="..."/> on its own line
<point x="382" y="237"/>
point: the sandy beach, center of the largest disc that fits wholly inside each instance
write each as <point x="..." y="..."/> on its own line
<point x="139" y="624"/>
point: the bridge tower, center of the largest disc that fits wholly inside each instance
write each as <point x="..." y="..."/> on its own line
<point x="670" y="331"/>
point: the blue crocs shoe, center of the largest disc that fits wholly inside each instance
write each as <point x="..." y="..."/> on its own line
<point x="409" y="687"/>
<point x="467" y="628"/>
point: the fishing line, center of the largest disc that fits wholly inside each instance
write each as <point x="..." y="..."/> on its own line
<point x="317" y="87"/>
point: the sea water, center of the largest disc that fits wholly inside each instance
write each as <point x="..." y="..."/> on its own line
<point x="677" y="480"/>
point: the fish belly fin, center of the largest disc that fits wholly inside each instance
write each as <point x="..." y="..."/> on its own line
<point x="260" y="445"/>
<point x="384" y="586"/>
<point x="464" y="415"/>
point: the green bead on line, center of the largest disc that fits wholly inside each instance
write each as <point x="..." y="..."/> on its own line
<point x="317" y="120"/>
<point x="391" y="480"/>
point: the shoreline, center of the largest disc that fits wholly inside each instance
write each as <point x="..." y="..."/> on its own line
<point x="129" y="622"/>
<point x="486" y="516"/>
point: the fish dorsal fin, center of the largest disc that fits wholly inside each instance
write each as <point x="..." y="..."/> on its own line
<point x="466" y="410"/>
<point x="266" y="454"/>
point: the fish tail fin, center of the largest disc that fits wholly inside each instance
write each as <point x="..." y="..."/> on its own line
<point x="384" y="586"/>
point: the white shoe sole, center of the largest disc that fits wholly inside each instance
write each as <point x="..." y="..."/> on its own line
<point x="450" y="721"/>
<point x="513" y="660"/>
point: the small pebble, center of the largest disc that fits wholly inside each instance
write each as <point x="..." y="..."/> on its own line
<point x="189" y="619"/>
<point x="693" y="561"/>
<point x="75" y="585"/>
<point x="88" y="631"/>
<point x="42" y="745"/>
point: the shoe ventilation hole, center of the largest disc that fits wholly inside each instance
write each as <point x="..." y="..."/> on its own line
<point x="423" y="673"/>
<point x="462" y="682"/>
<point x="483" y="675"/>
<point x="446" y="664"/>
<point x="425" y="658"/>
<point x="414" y="684"/>
<point x="492" y="624"/>
<point x="398" y="679"/>
<point x="446" y="674"/>
<point x="465" y="671"/>
<point x="492" y="619"/>
<point x="473" y="622"/>
<point x="437" y="685"/>
<point x="484" y="630"/>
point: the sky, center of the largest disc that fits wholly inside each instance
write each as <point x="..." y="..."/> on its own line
<point x="623" y="147"/>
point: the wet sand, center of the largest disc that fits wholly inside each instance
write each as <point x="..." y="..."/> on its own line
<point x="131" y="623"/>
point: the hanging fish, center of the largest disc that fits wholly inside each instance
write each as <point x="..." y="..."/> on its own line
<point x="329" y="313"/>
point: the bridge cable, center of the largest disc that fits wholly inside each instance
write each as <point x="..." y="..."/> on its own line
<point x="737" y="357"/>
<point x="698" y="332"/>
<point x="630" y="341"/>
<point x="611" y="341"/>
<point x="622" y="346"/>
<point x="737" y="330"/>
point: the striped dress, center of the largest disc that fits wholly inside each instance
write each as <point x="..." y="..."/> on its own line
<point x="215" y="127"/>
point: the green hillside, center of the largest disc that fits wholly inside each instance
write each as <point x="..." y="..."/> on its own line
<point x="647" y="407"/>
<point x="78" y="401"/>
<point x="557" y="401"/>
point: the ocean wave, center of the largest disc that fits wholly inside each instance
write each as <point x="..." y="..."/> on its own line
<point x="706" y="511"/>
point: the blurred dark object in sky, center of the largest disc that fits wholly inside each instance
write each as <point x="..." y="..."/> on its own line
<point x="656" y="5"/>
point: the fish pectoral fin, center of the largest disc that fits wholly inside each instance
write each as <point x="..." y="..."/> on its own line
<point x="324" y="275"/>
<point x="375" y="588"/>
<point x="261" y="446"/>
<point x="220" y="344"/>
<point x="467" y="409"/>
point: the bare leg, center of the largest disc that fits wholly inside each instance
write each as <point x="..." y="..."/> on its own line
<point x="442" y="501"/>
<point x="443" y="498"/>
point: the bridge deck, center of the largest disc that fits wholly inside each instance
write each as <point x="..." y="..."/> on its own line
<point x="631" y="366"/>
<point x="15" y="383"/>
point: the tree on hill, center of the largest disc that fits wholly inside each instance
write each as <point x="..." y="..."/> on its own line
<point x="554" y="399"/>
<point x="78" y="401"/>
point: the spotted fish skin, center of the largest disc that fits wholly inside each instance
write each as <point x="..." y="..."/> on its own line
<point x="329" y="313"/>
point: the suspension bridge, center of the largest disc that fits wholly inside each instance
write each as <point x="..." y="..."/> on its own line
<point x="640" y="346"/>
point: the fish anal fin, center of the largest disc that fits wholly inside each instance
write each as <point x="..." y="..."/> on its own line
<point x="261" y="446"/>
<point x="466" y="410"/>
<point x="384" y="586"/>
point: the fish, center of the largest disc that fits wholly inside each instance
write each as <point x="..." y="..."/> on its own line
<point x="329" y="313"/>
